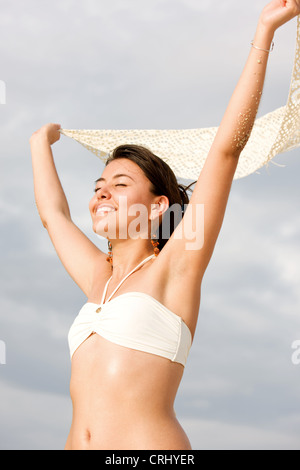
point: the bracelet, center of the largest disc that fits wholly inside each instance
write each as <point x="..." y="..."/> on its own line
<point x="265" y="50"/>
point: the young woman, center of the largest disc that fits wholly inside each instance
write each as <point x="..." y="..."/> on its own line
<point x="130" y="342"/>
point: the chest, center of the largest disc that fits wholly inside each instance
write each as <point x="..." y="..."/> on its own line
<point x="180" y="294"/>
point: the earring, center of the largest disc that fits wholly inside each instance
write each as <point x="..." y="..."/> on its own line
<point x="110" y="254"/>
<point x="155" y="244"/>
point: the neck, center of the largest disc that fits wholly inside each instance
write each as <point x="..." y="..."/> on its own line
<point x="127" y="254"/>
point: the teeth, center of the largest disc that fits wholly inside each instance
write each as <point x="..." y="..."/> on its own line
<point x="103" y="209"/>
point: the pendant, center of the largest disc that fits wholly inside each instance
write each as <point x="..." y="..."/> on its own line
<point x="98" y="310"/>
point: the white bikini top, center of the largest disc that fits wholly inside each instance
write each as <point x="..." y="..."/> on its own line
<point x="135" y="320"/>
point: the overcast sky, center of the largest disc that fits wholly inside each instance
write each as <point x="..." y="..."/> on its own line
<point x="159" y="64"/>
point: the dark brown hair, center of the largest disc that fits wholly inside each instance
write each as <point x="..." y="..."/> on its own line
<point x="163" y="183"/>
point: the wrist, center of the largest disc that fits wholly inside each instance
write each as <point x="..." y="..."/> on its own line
<point x="40" y="138"/>
<point x="264" y="35"/>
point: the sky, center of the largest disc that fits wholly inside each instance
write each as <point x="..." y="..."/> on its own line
<point x="165" y="64"/>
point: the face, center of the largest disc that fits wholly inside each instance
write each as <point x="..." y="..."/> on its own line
<point x="123" y="205"/>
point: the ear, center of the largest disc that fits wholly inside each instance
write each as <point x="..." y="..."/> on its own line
<point x="160" y="206"/>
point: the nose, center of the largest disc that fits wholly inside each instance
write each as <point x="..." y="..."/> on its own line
<point x="103" y="193"/>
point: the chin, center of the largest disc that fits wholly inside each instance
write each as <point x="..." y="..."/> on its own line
<point x="109" y="231"/>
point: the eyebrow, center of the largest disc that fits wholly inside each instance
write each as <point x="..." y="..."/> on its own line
<point x="114" y="177"/>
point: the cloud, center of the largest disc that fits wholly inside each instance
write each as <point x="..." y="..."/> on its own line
<point x="39" y="421"/>
<point x="215" y="435"/>
<point x="166" y="64"/>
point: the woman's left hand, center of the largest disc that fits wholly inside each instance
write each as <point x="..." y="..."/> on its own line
<point x="279" y="12"/>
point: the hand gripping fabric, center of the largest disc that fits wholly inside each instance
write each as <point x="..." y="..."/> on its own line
<point x="186" y="150"/>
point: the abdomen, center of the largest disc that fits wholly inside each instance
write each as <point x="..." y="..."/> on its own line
<point x="123" y="399"/>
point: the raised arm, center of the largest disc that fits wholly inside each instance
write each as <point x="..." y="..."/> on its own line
<point x="49" y="195"/>
<point x="77" y="253"/>
<point x="241" y="112"/>
<point x="213" y="186"/>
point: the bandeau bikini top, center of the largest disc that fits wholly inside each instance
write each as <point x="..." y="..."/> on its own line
<point x="135" y="320"/>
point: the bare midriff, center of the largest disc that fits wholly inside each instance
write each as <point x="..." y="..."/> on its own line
<point x="123" y="399"/>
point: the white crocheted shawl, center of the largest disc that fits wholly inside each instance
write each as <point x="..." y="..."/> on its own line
<point x="186" y="150"/>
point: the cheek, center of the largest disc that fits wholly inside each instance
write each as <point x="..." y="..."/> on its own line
<point x="92" y="204"/>
<point x="136" y="203"/>
<point x="139" y="197"/>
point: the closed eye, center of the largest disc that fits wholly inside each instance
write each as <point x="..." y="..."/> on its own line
<point x="97" y="189"/>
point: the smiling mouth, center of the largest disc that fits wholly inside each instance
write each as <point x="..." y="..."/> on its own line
<point x="104" y="210"/>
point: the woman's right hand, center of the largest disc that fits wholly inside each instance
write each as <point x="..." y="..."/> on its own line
<point x="279" y="12"/>
<point x="49" y="132"/>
